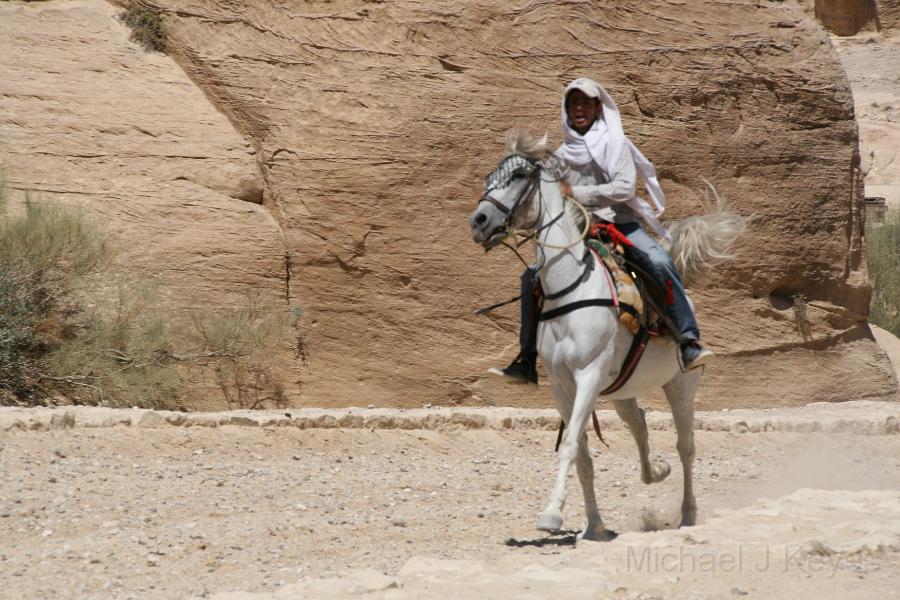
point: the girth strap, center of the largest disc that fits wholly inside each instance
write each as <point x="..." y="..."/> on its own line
<point x="572" y="306"/>
<point x="635" y="352"/>
<point x="585" y="274"/>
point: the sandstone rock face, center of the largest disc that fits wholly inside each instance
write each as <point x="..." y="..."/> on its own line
<point x="372" y="125"/>
<point x="89" y="118"/>
<point x="845" y="17"/>
<point x="375" y="124"/>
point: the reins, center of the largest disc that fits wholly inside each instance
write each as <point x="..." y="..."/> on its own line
<point x="535" y="234"/>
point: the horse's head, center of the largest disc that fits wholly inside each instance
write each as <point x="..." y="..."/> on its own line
<point x="506" y="201"/>
<point x="508" y="191"/>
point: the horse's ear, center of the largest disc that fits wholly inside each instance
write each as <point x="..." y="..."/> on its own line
<point x="512" y="140"/>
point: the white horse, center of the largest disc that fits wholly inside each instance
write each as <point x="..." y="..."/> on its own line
<point x="583" y="350"/>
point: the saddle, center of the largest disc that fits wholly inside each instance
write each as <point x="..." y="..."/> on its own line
<point x="639" y="296"/>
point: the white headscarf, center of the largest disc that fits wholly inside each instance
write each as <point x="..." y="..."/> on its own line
<point x="603" y="144"/>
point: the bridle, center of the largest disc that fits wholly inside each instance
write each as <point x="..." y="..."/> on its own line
<point x="517" y="165"/>
<point x="510" y="168"/>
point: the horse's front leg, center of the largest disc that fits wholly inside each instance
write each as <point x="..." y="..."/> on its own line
<point x="563" y="394"/>
<point x="587" y="383"/>
<point x="594" y="530"/>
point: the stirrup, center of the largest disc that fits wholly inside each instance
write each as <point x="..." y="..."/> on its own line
<point x="521" y="370"/>
<point x="694" y="356"/>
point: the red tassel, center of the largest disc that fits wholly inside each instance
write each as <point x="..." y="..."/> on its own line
<point x="670" y="295"/>
<point x="614" y="234"/>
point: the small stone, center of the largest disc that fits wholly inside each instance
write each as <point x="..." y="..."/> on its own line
<point x="398" y="522"/>
<point x="739" y="591"/>
<point x="740" y="427"/>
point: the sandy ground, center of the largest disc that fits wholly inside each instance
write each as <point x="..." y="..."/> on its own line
<point x="155" y="510"/>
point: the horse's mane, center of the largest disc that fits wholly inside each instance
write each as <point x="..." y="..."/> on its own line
<point x="522" y="141"/>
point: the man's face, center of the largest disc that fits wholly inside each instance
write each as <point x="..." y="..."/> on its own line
<point x="581" y="110"/>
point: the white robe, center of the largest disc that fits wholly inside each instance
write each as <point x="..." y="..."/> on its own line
<point x="606" y="146"/>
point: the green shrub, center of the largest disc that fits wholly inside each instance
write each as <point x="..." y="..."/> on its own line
<point x="134" y="355"/>
<point x="48" y="250"/>
<point x="125" y="351"/>
<point x="236" y="347"/>
<point x="147" y="28"/>
<point x="46" y="254"/>
<point x="118" y="356"/>
<point x="883" y="242"/>
<point x="16" y="336"/>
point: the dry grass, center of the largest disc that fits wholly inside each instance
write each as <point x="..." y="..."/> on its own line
<point x="61" y="343"/>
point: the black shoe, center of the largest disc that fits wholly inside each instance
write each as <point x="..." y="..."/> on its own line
<point x="521" y="370"/>
<point x="693" y="355"/>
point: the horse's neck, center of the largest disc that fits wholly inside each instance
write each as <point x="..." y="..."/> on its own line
<point x="561" y="266"/>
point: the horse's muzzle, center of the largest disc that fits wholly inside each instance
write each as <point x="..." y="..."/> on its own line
<point x="488" y="237"/>
<point x="485" y="230"/>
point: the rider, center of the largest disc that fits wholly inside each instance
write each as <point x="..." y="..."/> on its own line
<point x="602" y="176"/>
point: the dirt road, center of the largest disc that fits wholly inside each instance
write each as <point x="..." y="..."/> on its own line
<point x="150" y="509"/>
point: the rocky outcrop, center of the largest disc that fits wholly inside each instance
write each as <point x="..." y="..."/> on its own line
<point x="888" y="13"/>
<point x="89" y="118"/>
<point x="849" y="17"/>
<point x="372" y="125"/>
<point x="376" y="123"/>
<point x="845" y="17"/>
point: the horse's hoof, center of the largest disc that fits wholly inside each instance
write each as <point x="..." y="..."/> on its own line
<point x="550" y="522"/>
<point x="659" y="470"/>
<point x="593" y="535"/>
<point x="688" y="517"/>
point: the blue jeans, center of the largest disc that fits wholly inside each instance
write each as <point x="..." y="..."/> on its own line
<point x="659" y="264"/>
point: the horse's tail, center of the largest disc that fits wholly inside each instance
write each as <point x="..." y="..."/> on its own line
<point x="702" y="242"/>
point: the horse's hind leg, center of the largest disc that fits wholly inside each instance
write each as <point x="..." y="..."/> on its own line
<point x="680" y="394"/>
<point x="594" y="530"/>
<point x="633" y="416"/>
